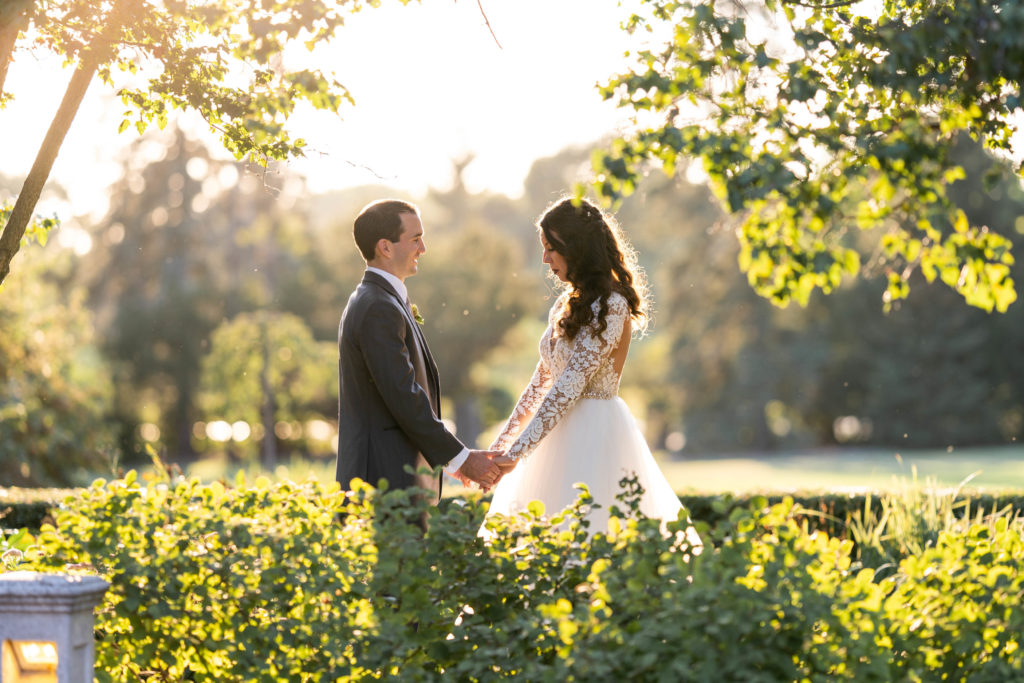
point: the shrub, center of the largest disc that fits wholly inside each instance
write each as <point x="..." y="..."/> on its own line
<point x="957" y="610"/>
<point x="269" y="582"/>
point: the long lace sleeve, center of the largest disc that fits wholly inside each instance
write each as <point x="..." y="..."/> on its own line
<point x="525" y="406"/>
<point x="589" y="353"/>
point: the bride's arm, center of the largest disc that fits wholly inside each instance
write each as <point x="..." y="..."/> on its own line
<point x="589" y="352"/>
<point x="525" y="407"/>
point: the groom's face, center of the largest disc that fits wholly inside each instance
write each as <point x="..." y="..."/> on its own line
<point x="406" y="251"/>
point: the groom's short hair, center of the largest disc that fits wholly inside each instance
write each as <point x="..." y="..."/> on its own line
<point x="379" y="220"/>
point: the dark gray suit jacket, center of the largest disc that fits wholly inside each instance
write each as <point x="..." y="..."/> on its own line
<point x="389" y="413"/>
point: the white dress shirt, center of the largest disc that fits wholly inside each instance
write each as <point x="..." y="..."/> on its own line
<point x="403" y="293"/>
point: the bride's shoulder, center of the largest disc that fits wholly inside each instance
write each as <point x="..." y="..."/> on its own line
<point x="561" y="301"/>
<point x="616" y="298"/>
<point x="616" y="303"/>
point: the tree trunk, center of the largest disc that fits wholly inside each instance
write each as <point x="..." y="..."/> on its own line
<point x="182" y="421"/>
<point x="10" y="240"/>
<point x="183" y="427"/>
<point x="8" y="36"/>
<point x="269" y="446"/>
<point x="21" y="214"/>
<point x="467" y="419"/>
<point x="13" y="20"/>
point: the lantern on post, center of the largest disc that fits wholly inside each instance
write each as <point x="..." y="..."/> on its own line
<point x="46" y="627"/>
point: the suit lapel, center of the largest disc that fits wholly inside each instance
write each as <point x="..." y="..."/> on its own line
<point x="431" y="365"/>
<point x="423" y="345"/>
<point x="435" y="388"/>
<point x="435" y="378"/>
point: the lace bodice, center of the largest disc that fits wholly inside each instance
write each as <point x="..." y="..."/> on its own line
<point x="567" y="372"/>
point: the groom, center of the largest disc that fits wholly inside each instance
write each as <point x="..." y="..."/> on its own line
<point x="389" y="409"/>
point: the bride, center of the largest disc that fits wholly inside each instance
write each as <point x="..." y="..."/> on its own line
<point x="570" y="425"/>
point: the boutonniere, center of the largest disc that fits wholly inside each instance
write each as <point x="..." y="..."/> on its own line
<point x="416" y="314"/>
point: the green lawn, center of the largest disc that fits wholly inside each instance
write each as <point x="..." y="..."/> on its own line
<point x="838" y="469"/>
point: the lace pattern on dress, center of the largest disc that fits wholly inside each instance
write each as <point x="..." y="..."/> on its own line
<point x="535" y="390"/>
<point x="583" y="367"/>
<point x="525" y="407"/>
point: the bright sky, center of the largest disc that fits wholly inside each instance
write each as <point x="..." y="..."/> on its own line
<point x="430" y="85"/>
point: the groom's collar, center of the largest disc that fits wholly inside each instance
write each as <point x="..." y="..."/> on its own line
<point x="396" y="284"/>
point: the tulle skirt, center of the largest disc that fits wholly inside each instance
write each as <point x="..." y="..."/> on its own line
<point x="597" y="443"/>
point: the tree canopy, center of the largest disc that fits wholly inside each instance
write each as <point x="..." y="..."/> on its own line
<point x="220" y="58"/>
<point x="816" y="122"/>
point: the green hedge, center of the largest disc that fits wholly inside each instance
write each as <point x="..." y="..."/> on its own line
<point x="29" y="507"/>
<point x="830" y="512"/>
<point x="270" y="582"/>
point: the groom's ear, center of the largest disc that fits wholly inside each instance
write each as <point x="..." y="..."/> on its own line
<point x="383" y="248"/>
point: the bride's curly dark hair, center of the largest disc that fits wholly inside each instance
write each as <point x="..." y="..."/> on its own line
<point x="599" y="261"/>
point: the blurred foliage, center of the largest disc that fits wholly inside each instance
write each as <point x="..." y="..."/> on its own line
<point x="468" y="309"/>
<point x="192" y="245"/>
<point x="55" y="389"/>
<point x="264" y="368"/>
<point x="38" y="229"/>
<point x="265" y="582"/>
<point x="29" y="507"/>
<point x="815" y="122"/>
<point x="190" y="242"/>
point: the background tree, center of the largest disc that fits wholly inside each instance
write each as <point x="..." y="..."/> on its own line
<point x="158" y="281"/>
<point x="265" y="368"/>
<point x="814" y="122"/>
<point x="189" y="243"/>
<point x="471" y="298"/>
<point x="476" y="291"/>
<point x="219" y="58"/>
<point x="931" y="373"/>
<point x="743" y="375"/>
<point x="55" y="389"/>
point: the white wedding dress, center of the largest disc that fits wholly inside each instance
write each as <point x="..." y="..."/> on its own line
<point x="571" y="426"/>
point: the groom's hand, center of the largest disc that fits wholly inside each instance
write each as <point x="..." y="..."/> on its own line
<point x="505" y="463"/>
<point x="480" y="467"/>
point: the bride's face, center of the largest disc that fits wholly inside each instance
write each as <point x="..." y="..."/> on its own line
<point x="555" y="261"/>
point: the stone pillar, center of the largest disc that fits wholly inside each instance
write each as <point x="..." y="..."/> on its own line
<point x="42" y="610"/>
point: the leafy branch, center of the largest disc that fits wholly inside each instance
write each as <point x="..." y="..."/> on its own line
<point x="195" y="49"/>
<point x="846" y="124"/>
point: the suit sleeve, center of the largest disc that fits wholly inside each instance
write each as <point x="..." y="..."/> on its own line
<point x="383" y="343"/>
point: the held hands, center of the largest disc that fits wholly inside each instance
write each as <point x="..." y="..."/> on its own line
<point x="504" y="463"/>
<point x="485" y="468"/>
